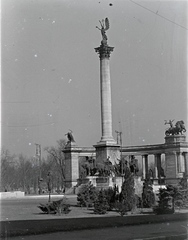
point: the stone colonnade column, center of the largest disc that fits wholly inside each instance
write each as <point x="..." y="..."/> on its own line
<point x="157" y="158"/>
<point x="157" y="173"/>
<point x="144" y="166"/>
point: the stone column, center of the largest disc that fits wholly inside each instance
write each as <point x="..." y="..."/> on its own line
<point x="185" y="154"/>
<point x="155" y="164"/>
<point x="107" y="147"/>
<point x="157" y="174"/>
<point x="144" y="166"/>
<point x="180" y="163"/>
<point x="104" y="52"/>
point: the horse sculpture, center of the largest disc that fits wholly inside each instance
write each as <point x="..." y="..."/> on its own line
<point x="180" y="126"/>
<point x="175" y="130"/>
<point x="106" y="168"/>
<point x="121" y="167"/>
<point x="91" y="168"/>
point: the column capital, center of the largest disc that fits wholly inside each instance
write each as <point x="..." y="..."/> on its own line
<point x="104" y="51"/>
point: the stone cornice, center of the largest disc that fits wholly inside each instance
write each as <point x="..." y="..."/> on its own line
<point x="157" y="148"/>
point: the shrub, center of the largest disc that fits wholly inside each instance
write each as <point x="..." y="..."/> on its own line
<point x="87" y="195"/>
<point x="126" y="200"/>
<point x="101" y="204"/>
<point x="181" y="200"/>
<point x="127" y="195"/>
<point x="166" y="200"/>
<point x="111" y="196"/>
<point x="121" y="208"/>
<point x="148" y="197"/>
<point x="138" y="201"/>
<point x="60" y="207"/>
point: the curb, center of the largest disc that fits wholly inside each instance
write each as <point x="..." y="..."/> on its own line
<point x="34" y="227"/>
<point x="172" y="237"/>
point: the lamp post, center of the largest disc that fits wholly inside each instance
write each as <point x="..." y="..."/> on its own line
<point x="49" y="185"/>
<point x="119" y="139"/>
<point x="38" y="155"/>
<point x="122" y="160"/>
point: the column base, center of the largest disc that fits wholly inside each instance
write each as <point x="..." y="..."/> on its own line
<point x="106" y="149"/>
<point x="107" y="140"/>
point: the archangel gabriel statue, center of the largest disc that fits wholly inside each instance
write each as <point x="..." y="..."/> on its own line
<point x="104" y="27"/>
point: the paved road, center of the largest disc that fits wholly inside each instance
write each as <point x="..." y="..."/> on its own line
<point x="151" y="231"/>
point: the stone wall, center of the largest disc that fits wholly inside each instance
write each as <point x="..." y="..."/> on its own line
<point x="15" y="194"/>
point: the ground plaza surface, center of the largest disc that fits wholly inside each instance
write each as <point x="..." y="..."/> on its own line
<point x="21" y="217"/>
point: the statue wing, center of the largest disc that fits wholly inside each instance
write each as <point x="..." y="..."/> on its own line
<point x="107" y="25"/>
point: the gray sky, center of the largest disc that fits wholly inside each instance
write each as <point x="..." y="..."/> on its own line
<point x="50" y="71"/>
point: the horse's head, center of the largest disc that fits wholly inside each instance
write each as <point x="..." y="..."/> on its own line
<point x="180" y="123"/>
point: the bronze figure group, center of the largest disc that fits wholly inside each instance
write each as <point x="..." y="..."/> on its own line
<point x="179" y="128"/>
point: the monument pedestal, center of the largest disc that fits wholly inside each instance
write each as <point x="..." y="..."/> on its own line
<point x="175" y="139"/>
<point x="175" y="158"/>
<point x="105" y="150"/>
<point x="71" y="152"/>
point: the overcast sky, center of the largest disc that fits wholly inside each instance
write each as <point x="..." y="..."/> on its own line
<point x="50" y="71"/>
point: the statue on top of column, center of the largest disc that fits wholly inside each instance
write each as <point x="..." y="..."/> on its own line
<point x="104" y="26"/>
<point x="175" y="130"/>
<point x="70" y="136"/>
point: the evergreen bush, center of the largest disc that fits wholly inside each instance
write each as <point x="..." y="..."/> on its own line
<point x="181" y="200"/>
<point x="166" y="200"/>
<point x="138" y="201"/>
<point x="101" y="204"/>
<point x="111" y="196"/>
<point x="121" y="208"/>
<point x="87" y="195"/>
<point x="148" y="197"/>
<point x="56" y="207"/>
<point x="126" y="199"/>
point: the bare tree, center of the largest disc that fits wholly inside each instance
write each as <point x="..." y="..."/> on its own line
<point x="57" y="155"/>
<point x="8" y="173"/>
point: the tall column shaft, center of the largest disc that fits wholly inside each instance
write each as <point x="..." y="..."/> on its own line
<point x="106" y="105"/>
<point x="107" y="147"/>
<point x="104" y="52"/>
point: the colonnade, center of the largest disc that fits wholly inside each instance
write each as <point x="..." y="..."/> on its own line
<point x="175" y="155"/>
<point x="146" y="172"/>
<point x="175" y="167"/>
